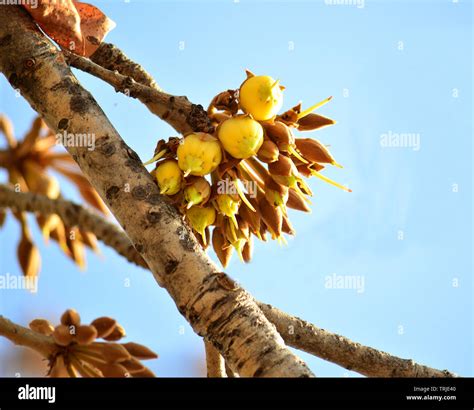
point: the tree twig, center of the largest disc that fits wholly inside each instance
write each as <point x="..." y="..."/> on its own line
<point x="214" y="361"/>
<point x="112" y="58"/>
<point x="23" y="336"/>
<point x="73" y="215"/>
<point x="343" y="351"/>
<point x="177" y="111"/>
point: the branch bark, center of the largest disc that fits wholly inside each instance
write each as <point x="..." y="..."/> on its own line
<point x="23" y="336"/>
<point x="214" y="361"/>
<point x="296" y="332"/>
<point x="73" y="215"/>
<point x="177" y="111"/>
<point x="343" y="351"/>
<point x="216" y="308"/>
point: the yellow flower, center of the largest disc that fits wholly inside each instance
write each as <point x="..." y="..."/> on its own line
<point x="228" y="206"/>
<point x="197" y="193"/>
<point x="199" y="154"/>
<point x="261" y="96"/>
<point x="200" y="218"/>
<point x="241" y="136"/>
<point x="169" y="177"/>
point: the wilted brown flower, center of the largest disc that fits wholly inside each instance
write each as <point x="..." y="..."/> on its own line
<point x="28" y="163"/>
<point x="79" y="353"/>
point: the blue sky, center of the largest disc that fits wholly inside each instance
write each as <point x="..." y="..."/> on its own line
<point x="406" y="230"/>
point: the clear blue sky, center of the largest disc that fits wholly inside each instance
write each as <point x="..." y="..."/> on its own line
<point x="392" y="66"/>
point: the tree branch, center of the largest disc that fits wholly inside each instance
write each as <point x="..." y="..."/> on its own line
<point x="343" y="351"/>
<point x="23" y="336"/>
<point x="214" y="361"/>
<point x="114" y="59"/>
<point x="177" y="111"/>
<point x="214" y="305"/>
<point x="296" y="332"/>
<point x="73" y="215"/>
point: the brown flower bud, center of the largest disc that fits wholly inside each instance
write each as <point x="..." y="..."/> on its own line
<point x="139" y="351"/>
<point x="275" y="193"/>
<point x="247" y="250"/>
<point x="272" y="216"/>
<point x="70" y="318"/>
<point x="286" y="226"/>
<point x="313" y="151"/>
<point x="62" y="335"/>
<point x="283" y="167"/>
<point x="114" y="352"/>
<point x="104" y="326"/>
<point x="280" y="134"/>
<point x="144" y="373"/>
<point x="268" y="152"/>
<point x="314" y="121"/>
<point x="297" y="201"/>
<point x="85" y="334"/>
<point x="42" y="326"/>
<point x="306" y="169"/>
<point x="112" y="369"/>
<point x="221" y="246"/>
<point x="117" y="334"/>
<point x="252" y="218"/>
<point x="226" y="101"/>
<point x="133" y="365"/>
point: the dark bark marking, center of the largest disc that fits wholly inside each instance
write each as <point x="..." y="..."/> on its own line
<point x="79" y="104"/>
<point x="185" y="239"/>
<point x="170" y="266"/>
<point x="139" y="192"/>
<point x="63" y="124"/>
<point x="153" y="217"/>
<point x="112" y="192"/>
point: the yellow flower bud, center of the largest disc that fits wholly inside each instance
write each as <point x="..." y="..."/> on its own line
<point x="261" y="97"/>
<point x="169" y="177"/>
<point x="197" y="193"/>
<point x="200" y="219"/>
<point x="199" y="154"/>
<point x="241" y="136"/>
<point x="228" y="206"/>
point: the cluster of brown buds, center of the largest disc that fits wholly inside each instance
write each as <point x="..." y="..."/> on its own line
<point x="242" y="179"/>
<point x="27" y="163"/>
<point x="78" y="352"/>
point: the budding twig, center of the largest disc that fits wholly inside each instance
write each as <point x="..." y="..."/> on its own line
<point x="177" y="111"/>
<point x="73" y="215"/>
<point x="23" y="336"/>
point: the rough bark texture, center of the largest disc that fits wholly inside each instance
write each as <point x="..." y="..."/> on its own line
<point x="215" y="307"/>
<point x="73" y="215"/>
<point x="177" y="111"/>
<point x="113" y="59"/>
<point x="296" y="332"/>
<point x="214" y="361"/>
<point x="23" y="336"/>
<point x="343" y="351"/>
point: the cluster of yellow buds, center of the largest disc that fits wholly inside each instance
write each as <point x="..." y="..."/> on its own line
<point x="78" y="352"/>
<point x="240" y="181"/>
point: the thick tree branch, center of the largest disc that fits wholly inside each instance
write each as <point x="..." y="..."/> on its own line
<point x="343" y="351"/>
<point x="296" y="332"/>
<point x="214" y="305"/>
<point x="23" y="336"/>
<point x="214" y="361"/>
<point x="73" y="215"/>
